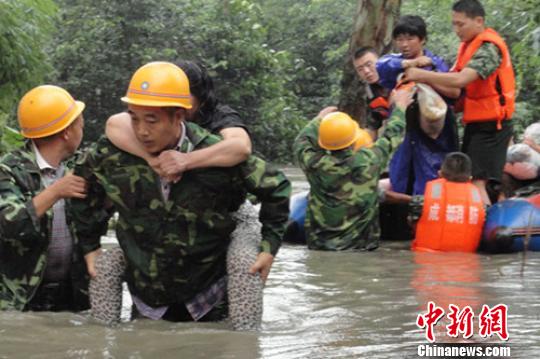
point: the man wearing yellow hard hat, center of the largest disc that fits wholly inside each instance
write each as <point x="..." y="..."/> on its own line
<point x="41" y="264"/>
<point x="209" y="113"/>
<point x="174" y="235"/>
<point x="343" y="167"/>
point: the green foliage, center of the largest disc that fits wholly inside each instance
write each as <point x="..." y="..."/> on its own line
<point x="316" y="36"/>
<point x="97" y="54"/>
<point x="248" y="72"/>
<point x="277" y="62"/>
<point x="25" y="26"/>
<point x="12" y="138"/>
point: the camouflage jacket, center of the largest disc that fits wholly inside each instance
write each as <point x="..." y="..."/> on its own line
<point x="343" y="208"/>
<point x="24" y="238"/>
<point x="175" y="248"/>
<point x="486" y="60"/>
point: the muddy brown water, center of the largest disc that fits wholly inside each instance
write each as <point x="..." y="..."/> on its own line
<point x="317" y="305"/>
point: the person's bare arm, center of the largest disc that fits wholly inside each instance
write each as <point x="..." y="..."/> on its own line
<point x="119" y="131"/>
<point x="396" y="197"/>
<point x="262" y="265"/>
<point x="421" y="61"/>
<point x="438" y="80"/>
<point x="69" y="186"/>
<point x="90" y="259"/>
<point x="234" y="149"/>
<point x="530" y="142"/>
<point x="325" y="111"/>
<point x="447" y="91"/>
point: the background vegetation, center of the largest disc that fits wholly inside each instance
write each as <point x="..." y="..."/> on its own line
<point x="278" y="62"/>
<point x="26" y="27"/>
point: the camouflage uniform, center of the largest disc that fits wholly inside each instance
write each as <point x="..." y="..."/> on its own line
<point x="485" y="60"/>
<point x="24" y="238"/>
<point x="343" y="208"/>
<point x="175" y="249"/>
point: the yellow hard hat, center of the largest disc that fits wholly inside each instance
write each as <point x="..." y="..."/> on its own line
<point x="337" y="131"/>
<point x="46" y="110"/>
<point x="364" y="140"/>
<point x="159" y="84"/>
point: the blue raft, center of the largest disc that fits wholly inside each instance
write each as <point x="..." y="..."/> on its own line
<point x="512" y="225"/>
<point x="295" y="233"/>
<point x="393" y="219"/>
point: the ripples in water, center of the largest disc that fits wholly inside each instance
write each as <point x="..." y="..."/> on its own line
<point x="317" y="305"/>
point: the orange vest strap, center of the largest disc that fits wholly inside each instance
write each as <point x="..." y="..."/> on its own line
<point x="493" y="98"/>
<point x="379" y="102"/>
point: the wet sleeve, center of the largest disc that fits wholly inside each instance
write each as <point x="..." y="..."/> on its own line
<point x="390" y="139"/>
<point x="389" y="67"/>
<point x="486" y="60"/>
<point x="375" y="118"/>
<point x="90" y="215"/>
<point x="19" y="223"/>
<point x="307" y="153"/>
<point x="440" y="64"/>
<point x="273" y="190"/>
<point x="319" y="165"/>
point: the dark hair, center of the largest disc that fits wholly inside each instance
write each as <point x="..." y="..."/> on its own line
<point x="410" y="25"/>
<point x="471" y="8"/>
<point x="201" y="86"/>
<point x="171" y="111"/>
<point x="456" y="167"/>
<point x="50" y="138"/>
<point x="364" y="50"/>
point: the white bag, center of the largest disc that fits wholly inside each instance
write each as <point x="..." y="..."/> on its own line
<point x="432" y="106"/>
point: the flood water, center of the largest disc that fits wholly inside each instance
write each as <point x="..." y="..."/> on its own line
<point x="317" y="305"/>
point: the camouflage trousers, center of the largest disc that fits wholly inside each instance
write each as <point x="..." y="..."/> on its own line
<point x="244" y="290"/>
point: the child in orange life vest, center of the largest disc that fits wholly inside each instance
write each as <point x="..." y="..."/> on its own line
<point x="451" y="213"/>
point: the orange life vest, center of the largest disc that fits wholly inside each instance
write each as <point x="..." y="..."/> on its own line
<point x="492" y="99"/>
<point x="379" y="102"/>
<point x="452" y="218"/>
<point x="380" y="108"/>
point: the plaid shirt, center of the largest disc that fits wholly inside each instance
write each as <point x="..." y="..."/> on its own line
<point x="166" y="185"/>
<point x="203" y="302"/>
<point x="61" y="244"/>
<point x="197" y="307"/>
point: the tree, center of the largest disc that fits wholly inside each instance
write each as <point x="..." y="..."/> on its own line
<point x="25" y="25"/>
<point x="374" y="21"/>
<point x="314" y="35"/>
<point x="250" y="75"/>
<point x="96" y="55"/>
<point x="278" y="62"/>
